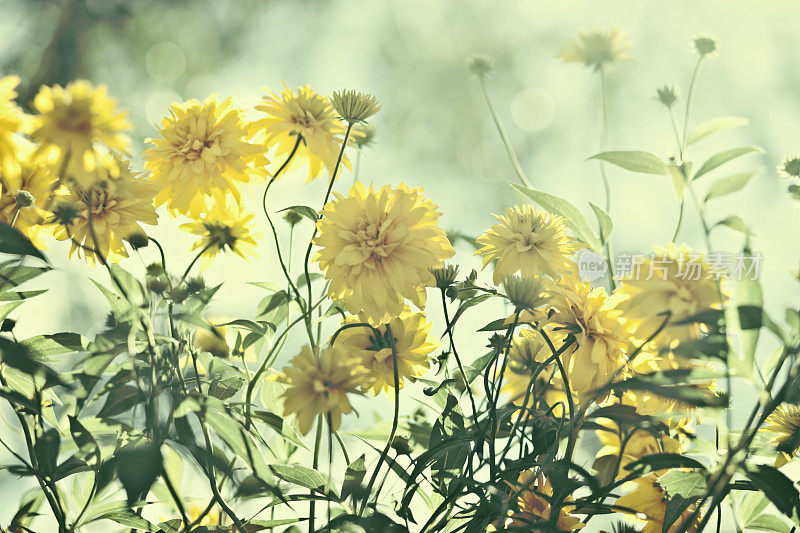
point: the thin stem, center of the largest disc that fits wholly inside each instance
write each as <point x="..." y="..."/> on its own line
<point x="689" y="98"/>
<point x="458" y="359"/>
<point x="604" y="137"/>
<point x="189" y="268"/>
<point x="504" y="137"/>
<point x="312" y="506"/>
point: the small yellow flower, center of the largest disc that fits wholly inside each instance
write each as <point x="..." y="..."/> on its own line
<point x="319" y="383"/>
<point x="524" y="293"/>
<point x="13" y="121"/>
<point x="377" y="249"/>
<point x="527" y="240"/>
<point x="649" y="501"/>
<point x="527" y="353"/>
<point x="201" y="155"/>
<point x="596" y="48"/>
<point x="675" y="283"/>
<point x="211" y="519"/>
<point x="107" y="212"/>
<point x="224" y="228"/>
<point x="83" y="122"/>
<point x="533" y="505"/>
<point x="304" y="113"/>
<point x="412" y="344"/>
<point x="784" y="421"/>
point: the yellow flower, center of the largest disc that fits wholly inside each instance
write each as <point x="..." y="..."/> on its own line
<point x="596" y="48"/>
<point x="527" y="353"/>
<point x="533" y="505"/>
<point x="224" y="228"/>
<point x="648" y="499"/>
<point x="211" y="519"/>
<point x="377" y="249"/>
<point x="412" y="345"/>
<point x="212" y="340"/>
<point x="32" y="176"/>
<point x="12" y="122"/>
<point x="785" y="423"/>
<point x="304" y="113"/>
<point x="527" y="240"/>
<point x="82" y="121"/>
<point x="675" y="283"/>
<point x="639" y="444"/>
<point x="107" y="212"/>
<point x="202" y="154"/>
<point x="319" y="383"/>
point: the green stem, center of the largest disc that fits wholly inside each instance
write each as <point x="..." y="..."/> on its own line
<point x="689" y="98"/>
<point x="604" y="138"/>
<point x="312" y="506"/>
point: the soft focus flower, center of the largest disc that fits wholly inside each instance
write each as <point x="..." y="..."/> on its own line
<point x="524" y="293"/>
<point x="480" y="65"/>
<point x="377" y="248"/>
<point x="601" y="333"/>
<point x="649" y="500"/>
<point x="667" y="95"/>
<point x="353" y="106"/>
<point x="363" y="134"/>
<point x="526" y="356"/>
<point x="444" y="276"/>
<point x="12" y="122"/>
<point x="784" y="421"/>
<point x="705" y="45"/>
<point x="83" y="122"/>
<point x="304" y="113"/>
<point x="224" y="228"/>
<point x="210" y="519"/>
<point x="674" y="284"/>
<point x="212" y="340"/>
<point x="201" y="155"/>
<point x="319" y="383"/>
<point x="412" y="343"/>
<point x="596" y="48"/>
<point x="790" y="167"/>
<point x="106" y="213"/>
<point x="533" y="505"/>
<point x="640" y="443"/>
<point x="527" y="240"/>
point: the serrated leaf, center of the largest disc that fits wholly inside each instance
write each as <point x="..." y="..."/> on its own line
<point x="713" y="126"/>
<point x="634" y="160"/>
<point x="686" y="484"/>
<point x="299" y="475"/>
<point x="729" y="185"/>
<point x="720" y="158"/>
<point x="573" y="216"/>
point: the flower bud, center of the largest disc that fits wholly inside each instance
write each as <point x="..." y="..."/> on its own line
<point x="24" y="199"/>
<point x="667" y="95"/>
<point x="480" y="65"/>
<point x="354" y="106"/>
<point x="705" y="45"/>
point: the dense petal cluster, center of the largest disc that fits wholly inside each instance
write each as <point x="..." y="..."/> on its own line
<point x="13" y="121"/>
<point x="319" y="384"/>
<point x="377" y="248"/>
<point x="527" y="240"/>
<point x="202" y="154"/>
<point x="309" y="115"/>
<point x="224" y="228"/>
<point x="31" y="175"/>
<point x="784" y="423"/>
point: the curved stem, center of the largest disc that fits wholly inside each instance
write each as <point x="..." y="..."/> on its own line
<point x="189" y="268"/>
<point x="689" y="97"/>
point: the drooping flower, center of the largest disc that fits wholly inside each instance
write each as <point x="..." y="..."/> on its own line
<point x="202" y="155"/>
<point x="377" y="248"/>
<point x="83" y="122"/>
<point x="13" y="121"/>
<point x="527" y="356"/>
<point x="308" y="114"/>
<point x="784" y="422"/>
<point x="533" y="505"/>
<point x="596" y="48"/>
<point x="412" y="343"/>
<point x="649" y="501"/>
<point x="224" y="228"/>
<point x="106" y="213"/>
<point x="319" y="383"/>
<point x="527" y="240"/>
<point x="672" y="285"/>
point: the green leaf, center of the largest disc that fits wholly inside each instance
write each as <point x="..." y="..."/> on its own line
<point x="715" y="125"/>
<point x="735" y="223"/>
<point x="15" y="243"/>
<point x="662" y="461"/>
<point x="780" y="490"/>
<point x="675" y="507"/>
<point x="6" y="309"/>
<point x="45" y="346"/>
<point x="767" y="522"/>
<point x="353" y="477"/>
<point x="721" y="158"/>
<point x="729" y="185"/>
<point x="674" y="384"/>
<point x="686" y="484"/>
<point x="749" y="301"/>
<point x="299" y="475"/>
<point x="604" y="221"/>
<point x="138" y="467"/>
<point x="635" y="161"/>
<point x="83" y="439"/>
<point x="751" y="506"/>
<point x="303" y="211"/>
<point x="120" y="400"/>
<point x="574" y="218"/>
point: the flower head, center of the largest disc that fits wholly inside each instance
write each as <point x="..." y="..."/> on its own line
<point x="363" y="134"/>
<point x="705" y="45"/>
<point x="308" y="114"/>
<point x="649" y="501"/>
<point x="12" y="122"/>
<point x="319" y="383"/>
<point x="224" y="228"/>
<point x="480" y="65"/>
<point x="673" y="285"/>
<point x="202" y="154"/>
<point x="533" y="506"/>
<point x="640" y="443"/>
<point x="444" y="276"/>
<point x="212" y="340"/>
<point x="353" y="106"/>
<point x="596" y="48"/>
<point x="527" y="240"/>
<point x="667" y="95"/>
<point x="526" y="357"/>
<point x="525" y="293"/>
<point x="412" y="344"/>
<point x="790" y="167"/>
<point x="377" y="249"/>
<point x="105" y="214"/>
<point x="83" y="122"/>
<point x="784" y="422"/>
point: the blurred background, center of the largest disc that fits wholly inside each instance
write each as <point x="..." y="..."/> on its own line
<point x="434" y="130"/>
